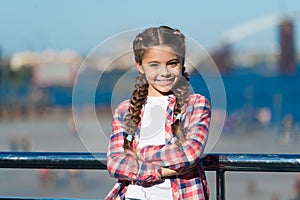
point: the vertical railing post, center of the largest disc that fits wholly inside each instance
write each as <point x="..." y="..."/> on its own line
<point x="220" y="184"/>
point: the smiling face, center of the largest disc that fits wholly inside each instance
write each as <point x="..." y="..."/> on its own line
<point x="162" y="69"/>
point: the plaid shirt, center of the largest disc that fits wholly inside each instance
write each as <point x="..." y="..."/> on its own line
<point x="147" y="170"/>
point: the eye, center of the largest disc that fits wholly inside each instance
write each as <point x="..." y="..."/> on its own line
<point x="153" y="65"/>
<point x="173" y="63"/>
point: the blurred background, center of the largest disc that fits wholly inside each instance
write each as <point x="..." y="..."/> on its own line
<point x="254" y="44"/>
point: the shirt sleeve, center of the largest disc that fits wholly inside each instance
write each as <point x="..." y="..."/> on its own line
<point x="181" y="156"/>
<point x="123" y="166"/>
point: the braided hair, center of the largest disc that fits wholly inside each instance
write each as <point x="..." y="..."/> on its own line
<point x="156" y="36"/>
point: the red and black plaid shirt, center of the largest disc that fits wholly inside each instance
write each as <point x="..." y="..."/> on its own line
<point x="126" y="170"/>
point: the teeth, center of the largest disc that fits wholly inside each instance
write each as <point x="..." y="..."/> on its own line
<point x="163" y="82"/>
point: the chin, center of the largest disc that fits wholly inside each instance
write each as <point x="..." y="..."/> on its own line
<point x="165" y="92"/>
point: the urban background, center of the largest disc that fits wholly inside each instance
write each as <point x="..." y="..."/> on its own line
<point x="262" y="87"/>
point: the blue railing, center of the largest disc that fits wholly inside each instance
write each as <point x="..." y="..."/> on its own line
<point x="220" y="163"/>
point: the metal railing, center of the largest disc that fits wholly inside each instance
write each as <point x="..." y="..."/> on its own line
<point x="220" y="163"/>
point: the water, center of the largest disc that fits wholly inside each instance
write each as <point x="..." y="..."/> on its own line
<point x="279" y="93"/>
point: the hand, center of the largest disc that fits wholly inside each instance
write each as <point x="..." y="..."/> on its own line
<point x="165" y="172"/>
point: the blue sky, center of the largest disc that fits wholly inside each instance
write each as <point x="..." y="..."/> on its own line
<point x="81" y="24"/>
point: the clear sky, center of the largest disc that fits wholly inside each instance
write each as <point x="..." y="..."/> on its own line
<point x="81" y="24"/>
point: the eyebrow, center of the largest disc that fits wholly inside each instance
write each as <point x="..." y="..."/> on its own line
<point x="173" y="59"/>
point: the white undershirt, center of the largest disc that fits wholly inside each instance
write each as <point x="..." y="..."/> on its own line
<point x="152" y="132"/>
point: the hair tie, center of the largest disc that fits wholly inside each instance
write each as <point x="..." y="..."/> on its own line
<point x="139" y="38"/>
<point x="186" y="75"/>
<point x="177" y="33"/>
<point x="129" y="138"/>
<point x="178" y="116"/>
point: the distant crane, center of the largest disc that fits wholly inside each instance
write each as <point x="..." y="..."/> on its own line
<point x="220" y="52"/>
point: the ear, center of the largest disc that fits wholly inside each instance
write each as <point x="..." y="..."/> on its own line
<point x="139" y="67"/>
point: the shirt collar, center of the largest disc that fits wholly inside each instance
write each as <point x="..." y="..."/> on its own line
<point x="172" y="97"/>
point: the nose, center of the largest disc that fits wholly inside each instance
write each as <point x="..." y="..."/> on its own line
<point x="165" y="71"/>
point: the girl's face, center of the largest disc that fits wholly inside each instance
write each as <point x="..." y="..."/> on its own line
<point x="162" y="69"/>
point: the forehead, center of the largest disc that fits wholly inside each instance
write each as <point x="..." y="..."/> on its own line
<point x="160" y="53"/>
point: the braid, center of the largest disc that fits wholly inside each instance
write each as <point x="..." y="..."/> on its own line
<point x="137" y="101"/>
<point x="181" y="92"/>
<point x="144" y="41"/>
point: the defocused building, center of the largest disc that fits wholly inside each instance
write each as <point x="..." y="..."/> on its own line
<point x="22" y="59"/>
<point x="48" y="67"/>
<point x="287" y="59"/>
<point x="222" y="58"/>
<point x="53" y="68"/>
<point x="1" y="69"/>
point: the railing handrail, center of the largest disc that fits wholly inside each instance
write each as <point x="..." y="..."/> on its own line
<point x="53" y="160"/>
<point x="253" y="162"/>
<point x="212" y="162"/>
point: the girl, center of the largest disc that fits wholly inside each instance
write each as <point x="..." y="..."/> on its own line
<point x="160" y="133"/>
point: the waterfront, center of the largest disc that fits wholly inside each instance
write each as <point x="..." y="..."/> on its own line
<point x="53" y="133"/>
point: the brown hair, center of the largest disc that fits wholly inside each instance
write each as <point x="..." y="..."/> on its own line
<point x="157" y="36"/>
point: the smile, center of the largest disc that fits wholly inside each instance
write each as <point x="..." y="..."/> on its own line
<point x="165" y="82"/>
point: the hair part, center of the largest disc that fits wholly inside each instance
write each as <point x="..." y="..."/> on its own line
<point x="159" y="36"/>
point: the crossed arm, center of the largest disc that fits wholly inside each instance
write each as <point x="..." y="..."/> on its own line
<point x="153" y="162"/>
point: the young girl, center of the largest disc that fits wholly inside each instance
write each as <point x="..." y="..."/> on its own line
<point x="160" y="133"/>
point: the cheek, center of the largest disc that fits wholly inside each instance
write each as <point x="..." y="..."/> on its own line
<point x="150" y="76"/>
